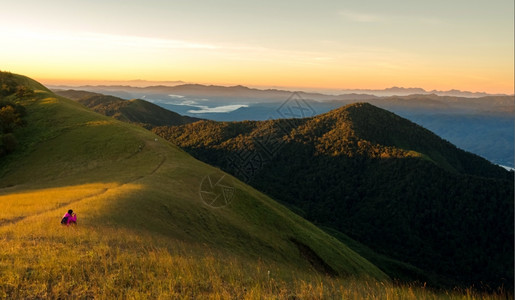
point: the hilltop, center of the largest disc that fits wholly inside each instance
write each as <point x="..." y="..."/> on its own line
<point x="151" y="223"/>
<point x="380" y="179"/>
<point x="135" y="111"/>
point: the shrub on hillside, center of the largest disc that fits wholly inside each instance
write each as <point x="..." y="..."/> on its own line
<point x="9" y="86"/>
<point x="11" y="113"/>
<point x="11" y="116"/>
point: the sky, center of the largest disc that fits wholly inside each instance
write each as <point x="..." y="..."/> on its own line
<point x="373" y="44"/>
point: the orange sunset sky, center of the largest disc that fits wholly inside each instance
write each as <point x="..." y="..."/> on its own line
<point x="466" y="45"/>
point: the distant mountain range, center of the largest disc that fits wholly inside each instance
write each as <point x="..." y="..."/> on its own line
<point x="401" y="91"/>
<point x="163" y="87"/>
<point x="133" y="83"/>
<point x="199" y="91"/>
<point x="380" y="179"/>
<point x="482" y="125"/>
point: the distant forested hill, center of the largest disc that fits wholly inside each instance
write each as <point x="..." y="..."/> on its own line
<point x="135" y="111"/>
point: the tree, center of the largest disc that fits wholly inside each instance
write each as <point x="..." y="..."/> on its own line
<point x="8" y="143"/>
<point x="10" y="118"/>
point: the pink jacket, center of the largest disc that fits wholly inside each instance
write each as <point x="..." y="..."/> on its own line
<point x="70" y="218"/>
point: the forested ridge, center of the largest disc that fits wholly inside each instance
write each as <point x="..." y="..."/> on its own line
<point x="383" y="180"/>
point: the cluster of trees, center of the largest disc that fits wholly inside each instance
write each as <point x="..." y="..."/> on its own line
<point x="9" y="86"/>
<point x="11" y="113"/>
<point x="380" y="179"/>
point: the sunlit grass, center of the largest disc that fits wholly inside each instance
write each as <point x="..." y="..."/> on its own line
<point x="103" y="259"/>
<point x="21" y="204"/>
<point x="107" y="263"/>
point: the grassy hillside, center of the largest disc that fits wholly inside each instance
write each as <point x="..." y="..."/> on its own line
<point x="135" y="111"/>
<point x="381" y="180"/>
<point x="144" y="229"/>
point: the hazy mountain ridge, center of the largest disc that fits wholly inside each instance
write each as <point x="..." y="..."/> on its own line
<point x="481" y="125"/>
<point x="192" y="89"/>
<point x="401" y="91"/>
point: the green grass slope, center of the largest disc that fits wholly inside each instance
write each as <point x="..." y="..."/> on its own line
<point x="136" y="111"/>
<point x="144" y="229"/>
